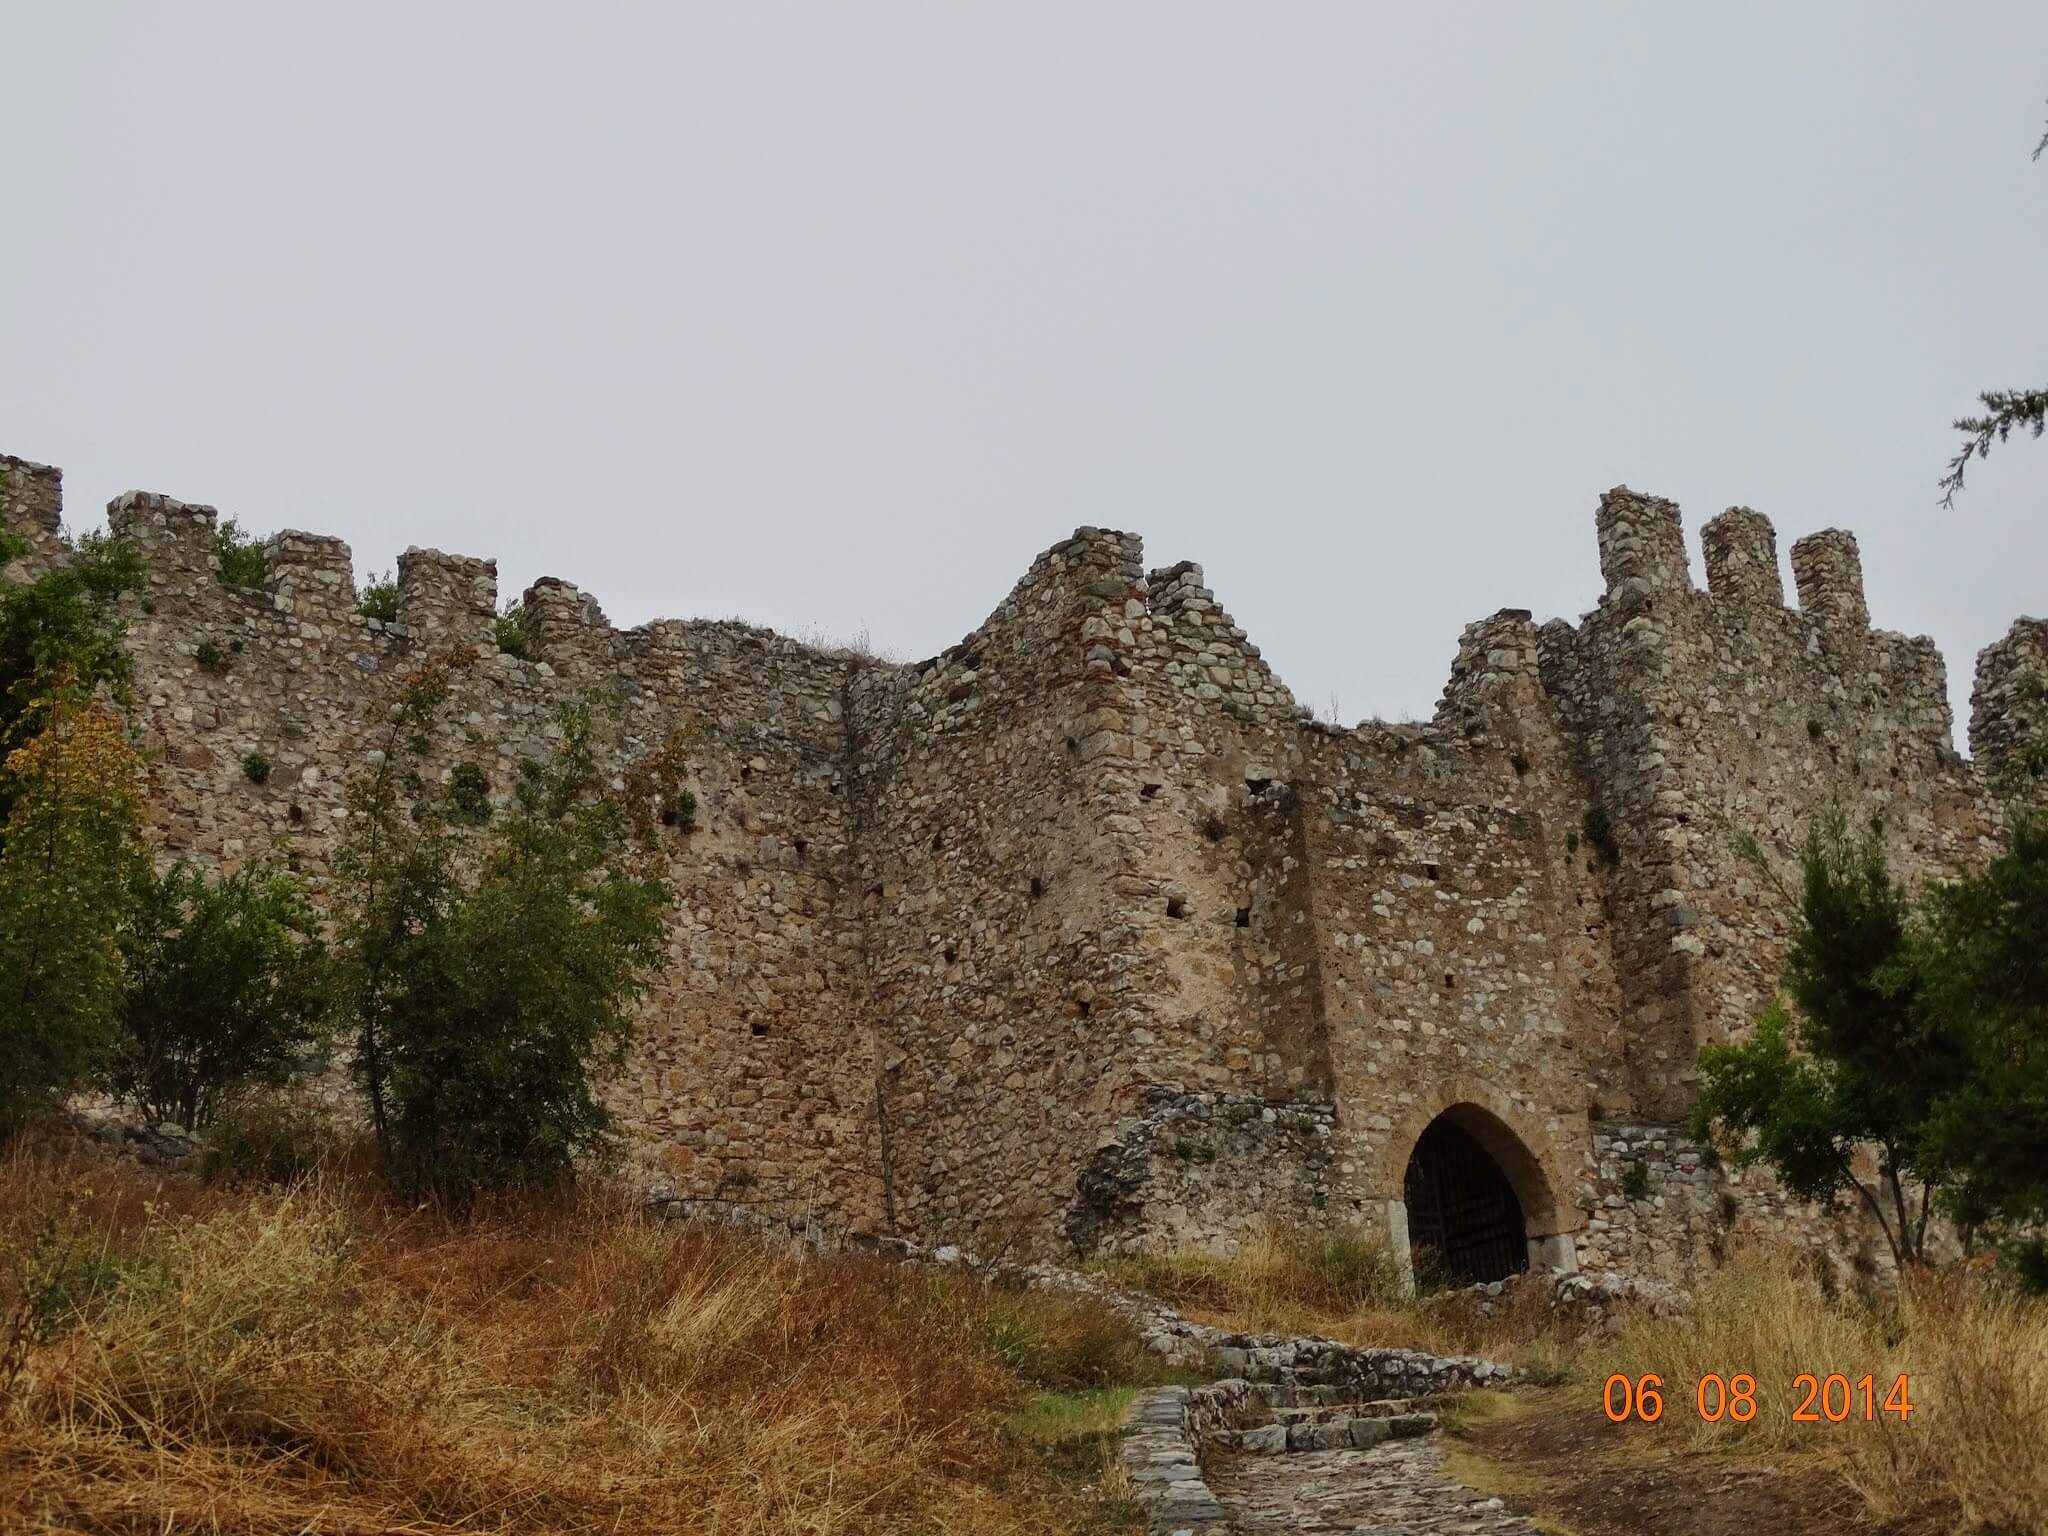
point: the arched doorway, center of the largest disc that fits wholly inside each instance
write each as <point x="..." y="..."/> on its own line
<point x="1465" y="1220"/>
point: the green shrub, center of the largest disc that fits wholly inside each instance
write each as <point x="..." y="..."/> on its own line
<point x="511" y="628"/>
<point x="76" y="1279"/>
<point x="469" y="795"/>
<point x="379" y="599"/>
<point x="225" y="988"/>
<point x="242" y="562"/>
<point x="1635" y="1181"/>
<point x="679" y="810"/>
<point x="256" y="768"/>
<point x="268" y="1138"/>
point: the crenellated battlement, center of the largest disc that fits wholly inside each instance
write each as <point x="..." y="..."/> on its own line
<point x="1828" y="570"/>
<point x="1642" y="547"/>
<point x="1741" y="551"/>
<point x="943" y="928"/>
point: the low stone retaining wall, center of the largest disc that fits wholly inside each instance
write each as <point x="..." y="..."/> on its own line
<point x="1302" y="1394"/>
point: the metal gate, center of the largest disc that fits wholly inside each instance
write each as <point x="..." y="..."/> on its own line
<point x="1461" y="1205"/>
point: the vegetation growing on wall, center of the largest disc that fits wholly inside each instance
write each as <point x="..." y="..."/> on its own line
<point x="242" y="562"/>
<point x="379" y="599"/>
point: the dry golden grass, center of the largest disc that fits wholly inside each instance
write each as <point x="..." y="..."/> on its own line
<point x="1976" y="1358"/>
<point x="321" y="1360"/>
<point x="1342" y="1285"/>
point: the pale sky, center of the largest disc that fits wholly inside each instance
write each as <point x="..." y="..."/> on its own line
<point x="832" y="316"/>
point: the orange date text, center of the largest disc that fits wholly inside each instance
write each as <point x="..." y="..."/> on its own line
<point x="1830" y="1399"/>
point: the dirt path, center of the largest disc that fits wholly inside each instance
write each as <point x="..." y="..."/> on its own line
<point x="1575" y="1474"/>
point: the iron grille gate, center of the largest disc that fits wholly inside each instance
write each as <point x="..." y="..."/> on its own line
<point x="1461" y="1204"/>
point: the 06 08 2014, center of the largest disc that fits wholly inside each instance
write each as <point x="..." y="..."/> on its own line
<point x="1834" y="1398"/>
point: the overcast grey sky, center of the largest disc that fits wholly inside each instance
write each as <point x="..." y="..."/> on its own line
<point x="832" y="316"/>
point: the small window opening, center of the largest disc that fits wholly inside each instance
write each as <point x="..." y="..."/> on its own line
<point x="1037" y="887"/>
<point x="1450" y="982"/>
<point x="1148" y="792"/>
<point x="1176" y="906"/>
<point x="1431" y="870"/>
<point x="1244" y="917"/>
<point x="757" y="1029"/>
<point x="1258" y="786"/>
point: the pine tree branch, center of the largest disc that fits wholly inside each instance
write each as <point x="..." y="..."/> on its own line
<point x="2008" y="411"/>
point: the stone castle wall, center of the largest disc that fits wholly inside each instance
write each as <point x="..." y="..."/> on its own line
<point x="1081" y="934"/>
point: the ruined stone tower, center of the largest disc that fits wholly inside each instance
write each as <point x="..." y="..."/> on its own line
<point x="1082" y="934"/>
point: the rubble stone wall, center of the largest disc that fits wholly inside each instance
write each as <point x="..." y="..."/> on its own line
<point x="1083" y="935"/>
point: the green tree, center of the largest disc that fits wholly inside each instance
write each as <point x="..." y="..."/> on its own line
<point x="61" y="631"/>
<point x="1982" y="956"/>
<point x="225" y="988"/>
<point x="73" y="841"/>
<point x="490" y="964"/>
<point x="1860" y="1065"/>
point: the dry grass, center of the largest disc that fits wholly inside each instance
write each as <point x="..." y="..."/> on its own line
<point x="1976" y="1358"/>
<point x="1342" y="1285"/>
<point x="320" y="1360"/>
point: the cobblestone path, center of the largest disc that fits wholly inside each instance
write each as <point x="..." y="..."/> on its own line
<point x="1396" y="1487"/>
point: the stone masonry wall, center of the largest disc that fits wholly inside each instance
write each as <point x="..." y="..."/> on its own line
<point x="1082" y="935"/>
<point x="1662" y="1207"/>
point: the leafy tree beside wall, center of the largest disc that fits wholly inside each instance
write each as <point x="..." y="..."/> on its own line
<point x="60" y="636"/>
<point x="225" y="989"/>
<point x="1913" y="1074"/>
<point x="490" y="958"/>
<point x="70" y="819"/>
<point x="72" y="847"/>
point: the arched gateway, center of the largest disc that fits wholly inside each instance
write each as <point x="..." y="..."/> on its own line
<point x="1462" y="1211"/>
<point x="1476" y="1203"/>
